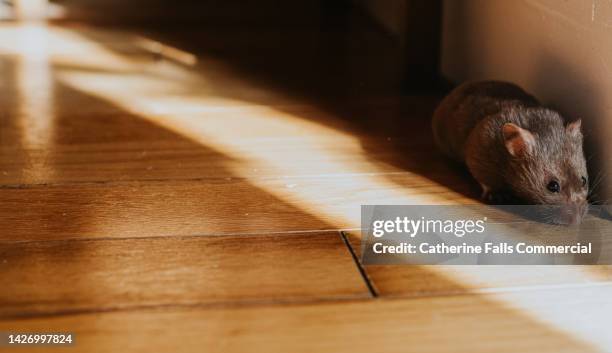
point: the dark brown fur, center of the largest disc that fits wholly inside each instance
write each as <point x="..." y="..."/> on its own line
<point x="468" y="125"/>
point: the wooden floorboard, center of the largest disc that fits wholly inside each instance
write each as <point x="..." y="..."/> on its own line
<point x="575" y="322"/>
<point x="183" y="159"/>
<point x="74" y="276"/>
<point x="149" y="204"/>
<point x="203" y="207"/>
<point x="251" y="141"/>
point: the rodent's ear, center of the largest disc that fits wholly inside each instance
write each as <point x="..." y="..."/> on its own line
<point x="574" y="128"/>
<point x="519" y="142"/>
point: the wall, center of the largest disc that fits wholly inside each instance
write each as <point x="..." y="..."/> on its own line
<point x="389" y="14"/>
<point x="559" y="50"/>
<point x="415" y="27"/>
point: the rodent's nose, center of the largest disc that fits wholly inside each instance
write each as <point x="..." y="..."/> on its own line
<point x="573" y="213"/>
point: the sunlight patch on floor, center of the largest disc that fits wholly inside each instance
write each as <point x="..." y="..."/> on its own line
<point x="185" y="101"/>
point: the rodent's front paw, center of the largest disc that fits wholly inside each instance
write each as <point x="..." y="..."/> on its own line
<point x="502" y="198"/>
<point x="497" y="197"/>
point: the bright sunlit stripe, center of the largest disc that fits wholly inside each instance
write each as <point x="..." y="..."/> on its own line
<point x="35" y="95"/>
<point x="30" y="10"/>
<point x="154" y="91"/>
<point x="167" y="51"/>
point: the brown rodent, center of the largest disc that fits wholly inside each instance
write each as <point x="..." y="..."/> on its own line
<point x="514" y="146"/>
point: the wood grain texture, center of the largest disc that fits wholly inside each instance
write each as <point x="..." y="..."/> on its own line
<point x="285" y="141"/>
<point x="75" y="276"/>
<point x="97" y="108"/>
<point x="148" y="204"/>
<point x="575" y="322"/>
<point x="182" y="159"/>
<point x="201" y="207"/>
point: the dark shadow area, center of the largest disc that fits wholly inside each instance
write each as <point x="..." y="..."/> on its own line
<point x="50" y="222"/>
<point x="112" y="145"/>
<point x="587" y="104"/>
<point x="105" y="245"/>
<point x="341" y="63"/>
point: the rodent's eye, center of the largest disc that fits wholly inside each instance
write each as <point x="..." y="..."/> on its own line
<point x="553" y="186"/>
<point x="584" y="181"/>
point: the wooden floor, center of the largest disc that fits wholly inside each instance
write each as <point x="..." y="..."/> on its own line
<point x="159" y="195"/>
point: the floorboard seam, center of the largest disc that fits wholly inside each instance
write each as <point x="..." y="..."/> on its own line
<point x="359" y="265"/>
<point x="222" y="305"/>
<point x="72" y="183"/>
<point x="179" y="236"/>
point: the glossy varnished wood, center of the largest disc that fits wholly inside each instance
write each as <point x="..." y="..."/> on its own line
<point x="148" y="203"/>
<point x="465" y="323"/>
<point x="199" y="207"/>
<point x="75" y="276"/>
<point x="232" y="141"/>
